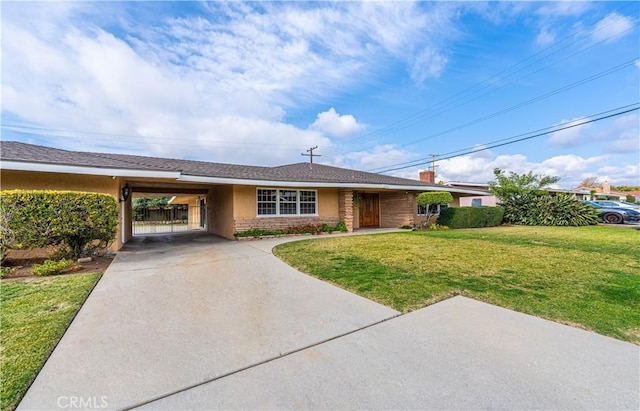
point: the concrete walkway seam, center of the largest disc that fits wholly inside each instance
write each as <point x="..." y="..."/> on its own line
<point x="248" y="367"/>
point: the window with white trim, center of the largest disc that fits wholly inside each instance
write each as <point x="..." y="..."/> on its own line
<point x="286" y="202"/>
<point x="267" y="202"/>
<point x="433" y="208"/>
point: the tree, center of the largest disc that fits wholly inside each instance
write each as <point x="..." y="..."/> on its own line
<point x="432" y="198"/>
<point x="625" y="188"/>
<point x="150" y="202"/>
<point x="516" y="192"/>
<point x="591" y="182"/>
<point x="526" y="201"/>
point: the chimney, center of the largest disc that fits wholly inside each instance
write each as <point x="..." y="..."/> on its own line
<point x="427" y="176"/>
<point x="606" y="187"/>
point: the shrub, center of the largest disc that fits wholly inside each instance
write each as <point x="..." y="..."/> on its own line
<point x="50" y="267"/>
<point x="77" y="222"/>
<point x="342" y="226"/>
<point x="5" y="271"/>
<point x="432" y="198"/>
<point x="471" y="217"/>
<point x="560" y="210"/>
<point x="300" y="229"/>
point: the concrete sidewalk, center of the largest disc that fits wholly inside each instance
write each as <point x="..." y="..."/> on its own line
<point x="197" y="322"/>
<point x="459" y="354"/>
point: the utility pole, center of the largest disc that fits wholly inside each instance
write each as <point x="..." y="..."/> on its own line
<point x="433" y="166"/>
<point x="310" y="155"/>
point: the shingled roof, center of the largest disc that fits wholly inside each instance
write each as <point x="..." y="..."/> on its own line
<point x="301" y="172"/>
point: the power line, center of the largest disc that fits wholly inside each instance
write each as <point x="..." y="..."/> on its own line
<point x="435" y="109"/>
<point x="522" y="104"/>
<point x="427" y="161"/>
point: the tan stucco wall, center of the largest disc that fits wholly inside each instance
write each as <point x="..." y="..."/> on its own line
<point x="244" y="201"/>
<point x="31" y="180"/>
<point x="220" y="209"/>
<point x="328" y="202"/>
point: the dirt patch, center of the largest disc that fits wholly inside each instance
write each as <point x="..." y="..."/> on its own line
<point x="23" y="263"/>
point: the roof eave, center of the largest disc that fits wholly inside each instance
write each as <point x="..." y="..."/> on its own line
<point x="87" y="170"/>
<point x="178" y="176"/>
<point x="321" y="184"/>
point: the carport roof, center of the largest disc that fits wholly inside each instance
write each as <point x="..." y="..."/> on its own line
<point x="29" y="157"/>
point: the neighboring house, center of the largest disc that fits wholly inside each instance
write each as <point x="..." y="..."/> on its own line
<point x="634" y="194"/>
<point x="484" y="199"/>
<point x="603" y="193"/>
<point x="228" y="198"/>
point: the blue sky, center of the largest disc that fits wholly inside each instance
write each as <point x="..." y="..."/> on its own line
<point x="375" y="85"/>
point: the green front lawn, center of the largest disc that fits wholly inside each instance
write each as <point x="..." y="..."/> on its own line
<point x="34" y="315"/>
<point x="584" y="276"/>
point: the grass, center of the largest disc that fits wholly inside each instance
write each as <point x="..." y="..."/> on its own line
<point x="587" y="277"/>
<point x="34" y="315"/>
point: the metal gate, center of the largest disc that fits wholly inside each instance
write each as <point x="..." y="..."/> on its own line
<point x="170" y="219"/>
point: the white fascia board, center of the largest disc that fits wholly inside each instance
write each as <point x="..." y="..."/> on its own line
<point x="355" y="186"/>
<point x="96" y="171"/>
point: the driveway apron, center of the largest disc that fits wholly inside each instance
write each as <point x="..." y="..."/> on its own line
<point x="170" y="315"/>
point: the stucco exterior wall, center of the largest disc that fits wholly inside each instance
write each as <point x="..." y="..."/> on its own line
<point x="220" y="208"/>
<point x="486" y="200"/>
<point x="31" y="180"/>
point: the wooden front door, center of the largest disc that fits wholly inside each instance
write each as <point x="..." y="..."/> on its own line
<point x="369" y="210"/>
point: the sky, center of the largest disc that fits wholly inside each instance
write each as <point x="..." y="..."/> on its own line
<point x="376" y="86"/>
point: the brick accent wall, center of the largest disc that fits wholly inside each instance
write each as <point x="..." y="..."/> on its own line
<point x="279" y="223"/>
<point x="345" y="207"/>
<point x="397" y="209"/>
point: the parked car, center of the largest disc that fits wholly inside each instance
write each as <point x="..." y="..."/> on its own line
<point x="615" y="204"/>
<point x="616" y="215"/>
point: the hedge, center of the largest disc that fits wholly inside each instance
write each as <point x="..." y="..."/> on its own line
<point x="77" y="222"/>
<point x="471" y="217"/>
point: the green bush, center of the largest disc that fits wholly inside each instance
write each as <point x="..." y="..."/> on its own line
<point x="75" y="221"/>
<point x="300" y="229"/>
<point x="50" y="267"/>
<point x="342" y="227"/>
<point x="471" y="217"/>
<point x="560" y="210"/>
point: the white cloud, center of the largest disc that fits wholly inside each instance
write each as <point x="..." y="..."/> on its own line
<point x="570" y="137"/>
<point x="191" y="86"/>
<point x="377" y="157"/>
<point x="335" y="124"/>
<point x="571" y="169"/>
<point x="428" y="64"/>
<point x="545" y="37"/>
<point x="622" y="136"/>
<point x="612" y="27"/>
<point x="564" y="8"/>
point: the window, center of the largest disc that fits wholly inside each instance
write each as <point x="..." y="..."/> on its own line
<point x="267" y="202"/>
<point x="476" y="202"/>
<point x="434" y="208"/>
<point x="288" y="202"/>
<point x="307" y="202"/>
<point x="274" y="202"/>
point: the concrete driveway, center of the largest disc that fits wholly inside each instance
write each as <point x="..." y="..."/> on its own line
<point x="197" y="322"/>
